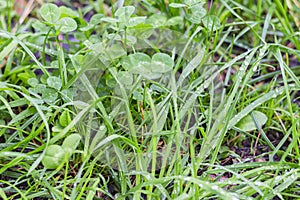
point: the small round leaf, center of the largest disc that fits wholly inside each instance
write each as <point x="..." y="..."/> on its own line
<point x="135" y="61"/>
<point x="162" y="63"/>
<point x="247" y="123"/>
<point x="70" y="143"/>
<point x="54" y="156"/>
<point x="54" y="82"/>
<point x="125" y="78"/>
<point x="66" y="24"/>
<point x="123" y="14"/>
<point x="198" y="12"/>
<point x="175" y="21"/>
<point x="67" y="12"/>
<point x="157" y="20"/>
<point x="96" y="19"/>
<point x="39" y="26"/>
<point x="50" y="12"/>
<point x="33" y="82"/>
<point x="134" y="21"/>
<point x="49" y="95"/>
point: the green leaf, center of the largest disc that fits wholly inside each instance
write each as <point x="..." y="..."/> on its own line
<point x="66" y="25"/>
<point x="64" y="118"/>
<point x="162" y="63"/>
<point x="134" y="61"/>
<point x="198" y="12"/>
<point x="54" y="82"/>
<point x="39" y="26"/>
<point x="40" y="88"/>
<point x="124" y="13"/>
<point x="177" y="5"/>
<point x="248" y="124"/>
<point x="140" y="63"/>
<point x="50" y="12"/>
<point x="33" y="82"/>
<point x="138" y="94"/>
<point x="125" y="78"/>
<point x="211" y="22"/>
<point x="67" y="95"/>
<point x="67" y="12"/>
<point x="193" y="2"/>
<point x="96" y="19"/>
<point x="86" y="28"/>
<point x="175" y="21"/>
<point x="54" y="156"/>
<point x="109" y="20"/>
<point x="134" y="21"/>
<point x="157" y="20"/>
<point x="115" y="51"/>
<point x="49" y="95"/>
<point x="70" y="143"/>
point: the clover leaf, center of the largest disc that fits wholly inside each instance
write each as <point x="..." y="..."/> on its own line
<point x="54" y="156"/>
<point x="162" y="63"/>
<point x="70" y="143"/>
<point x="140" y="63"/>
<point x="124" y="13"/>
<point x="197" y="13"/>
<point x="66" y="24"/>
<point x="248" y="124"/>
<point x="54" y="82"/>
<point x="50" y="12"/>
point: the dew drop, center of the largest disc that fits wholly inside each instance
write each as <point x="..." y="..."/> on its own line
<point x="215" y="187"/>
<point x="255" y="68"/>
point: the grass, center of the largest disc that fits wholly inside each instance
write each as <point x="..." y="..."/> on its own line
<point x="149" y="100"/>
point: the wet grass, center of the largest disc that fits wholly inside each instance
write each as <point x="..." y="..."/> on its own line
<point x="177" y="105"/>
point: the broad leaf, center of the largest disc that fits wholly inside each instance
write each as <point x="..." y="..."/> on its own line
<point x="134" y="21"/>
<point x="70" y="143"/>
<point x="54" y="156"/>
<point x="109" y="20"/>
<point x="67" y="95"/>
<point x="39" y="26"/>
<point x="66" y="24"/>
<point x="124" y="13"/>
<point x="67" y="12"/>
<point x="162" y="63"/>
<point x="157" y="20"/>
<point x="54" y="82"/>
<point x="33" y="82"/>
<point x="140" y="63"/>
<point x="96" y="19"/>
<point x="248" y="124"/>
<point x="135" y="61"/>
<point x="50" y="12"/>
<point x="115" y="51"/>
<point x="193" y="2"/>
<point x="125" y="78"/>
<point x="198" y="12"/>
<point x="175" y="21"/>
<point x="49" y="95"/>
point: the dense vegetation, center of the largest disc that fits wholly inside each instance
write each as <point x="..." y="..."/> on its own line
<point x="149" y="99"/>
